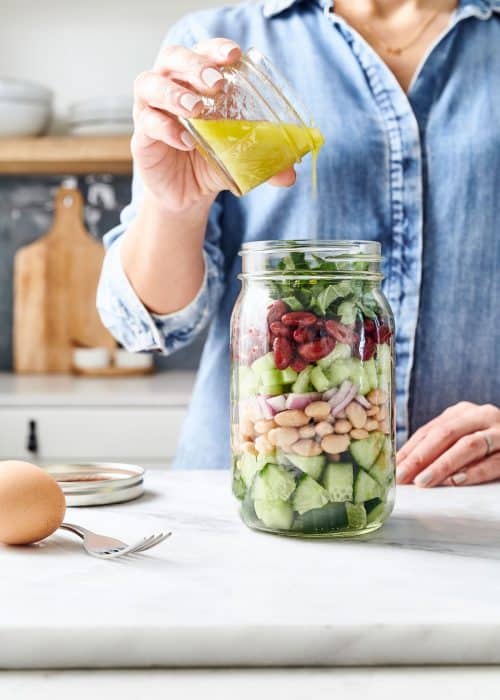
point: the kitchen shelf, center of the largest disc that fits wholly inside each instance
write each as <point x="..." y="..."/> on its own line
<point x="74" y="155"/>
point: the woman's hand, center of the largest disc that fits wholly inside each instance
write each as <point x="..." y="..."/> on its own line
<point x="164" y="154"/>
<point x="458" y="448"/>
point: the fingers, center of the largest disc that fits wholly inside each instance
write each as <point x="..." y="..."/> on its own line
<point x="284" y="179"/>
<point x="469" y="449"/>
<point x="199" y="70"/>
<point x="481" y="473"/>
<point x="421" y="433"/>
<point x="449" y="428"/>
<point x="221" y="51"/>
<point x="153" y="125"/>
<point x="154" y="90"/>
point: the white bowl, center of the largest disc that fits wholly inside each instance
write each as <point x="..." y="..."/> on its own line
<point x="130" y="360"/>
<point x="23" y="90"/>
<point x="91" y="358"/>
<point x="23" y="117"/>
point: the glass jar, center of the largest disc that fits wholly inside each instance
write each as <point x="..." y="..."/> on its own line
<point x="254" y="128"/>
<point x="312" y="389"/>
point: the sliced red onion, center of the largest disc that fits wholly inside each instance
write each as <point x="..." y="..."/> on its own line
<point x="265" y="409"/>
<point x="300" y="401"/>
<point x="327" y="395"/>
<point x="339" y="396"/>
<point x="277" y="403"/>
<point x="350" y="395"/>
<point x="362" y="401"/>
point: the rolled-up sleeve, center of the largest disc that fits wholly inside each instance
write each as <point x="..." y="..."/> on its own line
<point x="126" y="317"/>
<point x="121" y="310"/>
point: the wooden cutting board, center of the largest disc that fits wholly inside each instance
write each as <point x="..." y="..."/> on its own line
<point x="55" y="283"/>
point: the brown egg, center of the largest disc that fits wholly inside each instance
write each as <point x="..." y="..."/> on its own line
<point x="32" y="504"/>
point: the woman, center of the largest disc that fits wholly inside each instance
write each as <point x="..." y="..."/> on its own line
<point x="406" y="93"/>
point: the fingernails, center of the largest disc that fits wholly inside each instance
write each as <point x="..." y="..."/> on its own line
<point x="211" y="77"/>
<point x="189" y="101"/>
<point x="459" y="478"/>
<point x="226" y="49"/>
<point x="424" y="478"/>
<point x="401" y="473"/>
<point x="187" y="139"/>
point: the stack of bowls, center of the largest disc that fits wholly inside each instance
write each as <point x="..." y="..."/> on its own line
<point x="101" y="115"/>
<point x="25" y="108"/>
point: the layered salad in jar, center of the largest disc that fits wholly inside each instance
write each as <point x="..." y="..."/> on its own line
<point x="312" y="424"/>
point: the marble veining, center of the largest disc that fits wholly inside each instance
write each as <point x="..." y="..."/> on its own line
<point x="424" y="589"/>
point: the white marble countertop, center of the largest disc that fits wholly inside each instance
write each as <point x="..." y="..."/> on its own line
<point x="423" y="590"/>
<point x="167" y="388"/>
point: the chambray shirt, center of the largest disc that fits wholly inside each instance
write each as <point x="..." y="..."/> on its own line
<point x="419" y="172"/>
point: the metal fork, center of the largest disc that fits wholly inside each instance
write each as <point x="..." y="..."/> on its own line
<point x="109" y="548"/>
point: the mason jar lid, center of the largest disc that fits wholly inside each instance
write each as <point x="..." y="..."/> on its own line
<point x="98" y="483"/>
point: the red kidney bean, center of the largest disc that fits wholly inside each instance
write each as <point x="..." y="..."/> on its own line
<point x="317" y="349"/>
<point x="342" y="333"/>
<point x="276" y="310"/>
<point x="299" y="318"/>
<point x="369" y="326"/>
<point x="384" y="333"/>
<point x="282" y="351"/>
<point x="366" y="349"/>
<point x="304" y="335"/>
<point x="298" y="364"/>
<point x="278" y="328"/>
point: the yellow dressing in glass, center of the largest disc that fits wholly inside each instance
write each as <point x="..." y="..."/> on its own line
<point x="253" y="151"/>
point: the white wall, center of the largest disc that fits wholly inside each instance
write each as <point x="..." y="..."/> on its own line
<point x="87" y="48"/>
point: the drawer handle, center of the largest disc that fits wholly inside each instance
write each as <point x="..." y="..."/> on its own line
<point x="32" y="442"/>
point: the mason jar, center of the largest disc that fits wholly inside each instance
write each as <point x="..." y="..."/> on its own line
<point x="312" y="389"/>
<point x="254" y="127"/>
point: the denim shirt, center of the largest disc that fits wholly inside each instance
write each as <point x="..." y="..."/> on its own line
<point x="419" y="172"/>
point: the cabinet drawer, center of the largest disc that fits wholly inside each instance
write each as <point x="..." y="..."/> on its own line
<point x="91" y="433"/>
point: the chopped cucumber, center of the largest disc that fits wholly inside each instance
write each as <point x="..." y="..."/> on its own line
<point x="384" y="364"/>
<point x="322" y="520"/>
<point x="271" y="389"/>
<point x="371" y="373"/>
<point x="248" y="382"/>
<point x="339" y="371"/>
<point x="356" y="515"/>
<point x="308" y="495"/>
<point x="309" y="465"/>
<point x="239" y="488"/>
<point x="319" y="380"/>
<point x="358" y="375"/>
<point x="303" y="382"/>
<point x="376" y="513"/>
<point x="366" y="451"/>
<point x="277" y="515"/>
<point x="341" y="351"/>
<point x="273" y="483"/>
<point x="288" y="375"/>
<point x="249" y="465"/>
<point x="338" y="481"/>
<point x="269" y="377"/>
<point x="365" y="487"/>
<point x="262" y="364"/>
<point x="383" y="468"/>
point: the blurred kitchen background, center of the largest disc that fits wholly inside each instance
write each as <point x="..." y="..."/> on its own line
<point x="66" y="78"/>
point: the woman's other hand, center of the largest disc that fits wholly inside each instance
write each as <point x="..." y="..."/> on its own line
<point x="163" y="151"/>
<point x="460" y="447"/>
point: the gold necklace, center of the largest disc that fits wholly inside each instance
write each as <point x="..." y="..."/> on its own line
<point x="398" y="50"/>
